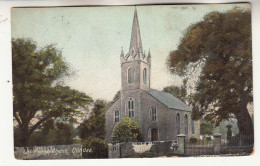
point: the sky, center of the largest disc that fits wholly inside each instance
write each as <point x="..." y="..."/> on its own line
<point x="91" y="39"/>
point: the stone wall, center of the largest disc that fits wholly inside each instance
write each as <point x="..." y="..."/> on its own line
<point x="49" y="152"/>
<point x="179" y="147"/>
<point x="129" y="149"/>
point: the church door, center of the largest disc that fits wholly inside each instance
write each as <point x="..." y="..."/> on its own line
<point x="155" y="135"/>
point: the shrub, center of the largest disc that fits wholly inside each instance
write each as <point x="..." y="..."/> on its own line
<point x="94" y="148"/>
<point x="193" y="140"/>
<point x="127" y="131"/>
<point x="208" y="138"/>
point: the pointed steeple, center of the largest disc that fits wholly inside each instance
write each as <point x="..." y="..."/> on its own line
<point x="136" y="42"/>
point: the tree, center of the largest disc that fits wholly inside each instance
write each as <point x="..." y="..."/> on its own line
<point x="94" y="126"/>
<point x="220" y="46"/>
<point x="116" y="97"/>
<point x="181" y="93"/>
<point x="92" y="132"/>
<point x="127" y="131"/>
<point x="64" y="134"/>
<point x="206" y="128"/>
<point x="99" y="148"/>
<point x="37" y="91"/>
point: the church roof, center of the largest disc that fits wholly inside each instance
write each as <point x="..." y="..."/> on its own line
<point x="169" y="100"/>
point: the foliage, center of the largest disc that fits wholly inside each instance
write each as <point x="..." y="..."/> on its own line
<point x="181" y="93"/>
<point x="127" y="131"/>
<point x="92" y="132"/>
<point x="49" y="133"/>
<point x="222" y="128"/>
<point x="64" y="134"/>
<point x="94" y="126"/>
<point x="221" y="47"/>
<point x="193" y="140"/>
<point x="206" y="128"/>
<point x="208" y="138"/>
<point x="37" y="91"/>
<point x="98" y="148"/>
<point x="116" y="97"/>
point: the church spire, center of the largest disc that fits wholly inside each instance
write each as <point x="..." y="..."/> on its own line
<point x="135" y="43"/>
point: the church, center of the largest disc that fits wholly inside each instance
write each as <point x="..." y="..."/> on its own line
<point x="160" y="115"/>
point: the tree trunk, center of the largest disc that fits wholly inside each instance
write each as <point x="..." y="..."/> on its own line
<point x="25" y="136"/>
<point x="245" y="125"/>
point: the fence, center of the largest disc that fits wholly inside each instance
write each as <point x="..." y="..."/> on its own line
<point x="201" y="147"/>
<point x="182" y="146"/>
<point x="237" y="144"/>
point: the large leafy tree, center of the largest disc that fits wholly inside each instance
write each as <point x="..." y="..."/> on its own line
<point x="94" y="126"/>
<point x="52" y="133"/>
<point x="37" y="92"/>
<point x="221" y="47"/>
<point x="180" y="92"/>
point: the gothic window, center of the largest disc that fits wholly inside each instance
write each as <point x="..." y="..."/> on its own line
<point x="130" y="75"/>
<point x="186" y="124"/>
<point x="145" y="76"/>
<point x="192" y="127"/>
<point x="130" y="107"/>
<point x="178" y="127"/>
<point x="117" y="115"/>
<point x="154" y="113"/>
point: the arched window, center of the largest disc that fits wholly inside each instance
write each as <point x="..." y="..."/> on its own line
<point x="178" y="127"/>
<point x="154" y="113"/>
<point x="192" y="127"/>
<point x="186" y="124"/>
<point x="130" y="75"/>
<point x="117" y="115"/>
<point x="145" y="76"/>
<point x="130" y="107"/>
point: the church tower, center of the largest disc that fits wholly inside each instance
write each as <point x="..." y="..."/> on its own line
<point x="135" y="65"/>
<point x="135" y="74"/>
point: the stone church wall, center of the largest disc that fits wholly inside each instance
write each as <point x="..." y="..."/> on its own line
<point x="162" y="120"/>
<point x="110" y="119"/>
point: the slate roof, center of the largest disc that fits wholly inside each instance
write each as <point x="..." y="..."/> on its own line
<point x="169" y="100"/>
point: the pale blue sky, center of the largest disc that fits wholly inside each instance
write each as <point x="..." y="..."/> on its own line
<point x="91" y="38"/>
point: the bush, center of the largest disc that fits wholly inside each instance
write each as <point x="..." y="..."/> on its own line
<point x="193" y="140"/>
<point x="94" y="148"/>
<point x="127" y="131"/>
<point x="208" y="138"/>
